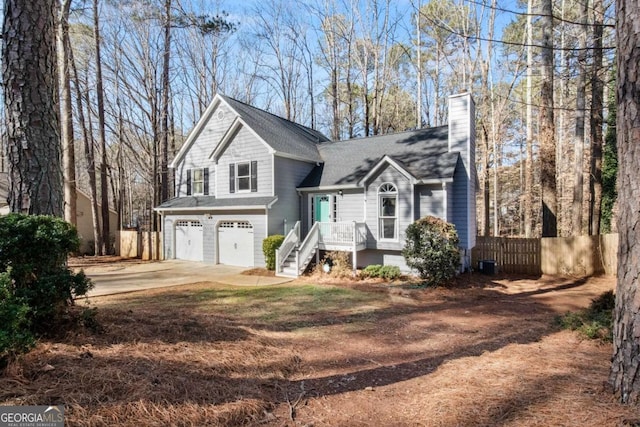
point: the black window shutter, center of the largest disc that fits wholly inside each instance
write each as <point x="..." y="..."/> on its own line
<point x="188" y="182"/>
<point x="205" y="177"/>
<point x="254" y="176"/>
<point x="232" y="178"/>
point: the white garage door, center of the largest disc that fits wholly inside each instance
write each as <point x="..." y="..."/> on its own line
<point x="189" y="240"/>
<point x="235" y="243"/>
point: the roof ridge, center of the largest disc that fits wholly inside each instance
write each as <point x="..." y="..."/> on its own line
<point x="361" y="138"/>
<point x="304" y="128"/>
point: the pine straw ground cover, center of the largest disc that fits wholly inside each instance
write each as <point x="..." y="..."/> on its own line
<point x="484" y="352"/>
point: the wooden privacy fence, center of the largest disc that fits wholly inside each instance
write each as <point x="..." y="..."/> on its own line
<point x="576" y="256"/>
<point x="139" y="244"/>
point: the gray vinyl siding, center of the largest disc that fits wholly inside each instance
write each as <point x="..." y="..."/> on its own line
<point x="167" y="236"/>
<point x="459" y="215"/>
<point x="210" y="223"/>
<point x="245" y="147"/>
<point x="382" y="257"/>
<point x="289" y="174"/>
<point x="462" y="139"/>
<point x="405" y="208"/>
<point x="430" y="200"/>
<point x="350" y="206"/>
<point x="198" y="154"/>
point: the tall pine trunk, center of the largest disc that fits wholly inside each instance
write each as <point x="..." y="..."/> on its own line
<point x="29" y="77"/>
<point x="547" y="127"/>
<point x="625" y="366"/>
<point x="597" y="103"/>
<point x="102" y="139"/>
<point x="66" y="117"/>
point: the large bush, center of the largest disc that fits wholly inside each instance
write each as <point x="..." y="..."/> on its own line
<point x="33" y="253"/>
<point x="269" y="246"/>
<point x="15" y="335"/>
<point x="432" y="249"/>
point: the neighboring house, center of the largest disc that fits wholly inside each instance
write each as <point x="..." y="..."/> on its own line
<point x="244" y="174"/>
<point x="84" y="222"/>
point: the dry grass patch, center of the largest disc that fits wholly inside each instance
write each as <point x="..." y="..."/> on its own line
<point x="484" y="351"/>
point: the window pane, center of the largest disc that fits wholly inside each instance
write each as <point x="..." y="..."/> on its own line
<point x="388" y="228"/>
<point x="388" y="206"/>
<point x="243" y="169"/>
<point x="244" y="183"/>
<point x="197" y="188"/>
<point x="197" y="174"/>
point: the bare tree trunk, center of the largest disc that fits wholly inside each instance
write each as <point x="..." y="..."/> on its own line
<point x="66" y="118"/>
<point x="547" y="127"/>
<point x="625" y="367"/>
<point x="104" y="182"/>
<point x="578" y="139"/>
<point x="90" y="158"/>
<point x="29" y="78"/>
<point x="528" y="180"/>
<point x="597" y="105"/>
<point x="164" y="131"/>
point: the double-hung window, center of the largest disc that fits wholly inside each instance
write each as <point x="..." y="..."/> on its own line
<point x="198" y="182"/>
<point x="388" y="212"/>
<point x="243" y="177"/>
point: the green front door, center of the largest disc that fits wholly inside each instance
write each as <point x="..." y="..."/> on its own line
<point x="322" y="208"/>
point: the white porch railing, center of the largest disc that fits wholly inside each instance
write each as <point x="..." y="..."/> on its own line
<point x="288" y="245"/>
<point x="341" y="236"/>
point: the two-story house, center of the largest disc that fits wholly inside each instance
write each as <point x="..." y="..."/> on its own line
<point x="244" y="174"/>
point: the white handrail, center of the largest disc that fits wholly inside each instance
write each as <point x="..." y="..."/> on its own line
<point x="309" y="244"/>
<point x="287" y="246"/>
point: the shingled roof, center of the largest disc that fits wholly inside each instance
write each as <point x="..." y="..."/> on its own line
<point x="284" y="136"/>
<point x="423" y="152"/>
<point x="211" y="202"/>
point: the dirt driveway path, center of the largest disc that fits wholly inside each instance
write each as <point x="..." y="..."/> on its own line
<point x="136" y="275"/>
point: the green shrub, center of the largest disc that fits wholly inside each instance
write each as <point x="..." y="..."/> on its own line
<point x="34" y="251"/>
<point x="432" y="249"/>
<point x="387" y="272"/>
<point x="372" y="270"/>
<point x="390" y="272"/>
<point x="596" y="321"/>
<point x="269" y="246"/>
<point x="15" y="335"/>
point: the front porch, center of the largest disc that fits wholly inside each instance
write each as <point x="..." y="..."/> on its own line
<point x="295" y="254"/>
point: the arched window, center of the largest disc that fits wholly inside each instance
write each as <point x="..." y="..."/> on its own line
<point x="388" y="212"/>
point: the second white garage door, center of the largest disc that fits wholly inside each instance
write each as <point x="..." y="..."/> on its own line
<point x="235" y="243"/>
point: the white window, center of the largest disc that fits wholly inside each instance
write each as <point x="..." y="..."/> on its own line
<point x="197" y="181"/>
<point x="388" y="212"/>
<point x="243" y="176"/>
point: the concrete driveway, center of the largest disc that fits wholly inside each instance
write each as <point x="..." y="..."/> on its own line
<point x="122" y="277"/>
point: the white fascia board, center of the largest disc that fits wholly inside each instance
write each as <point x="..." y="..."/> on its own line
<point x="226" y="138"/>
<point x="197" y="129"/>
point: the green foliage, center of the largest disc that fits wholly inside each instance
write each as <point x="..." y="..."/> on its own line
<point x="33" y="252"/>
<point x="609" y="168"/>
<point x="432" y="249"/>
<point x="15" y="335"/>
<point x="269" y="246"/>
<point x="596" y="321"/>
<point x="387" y="272"/>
